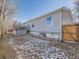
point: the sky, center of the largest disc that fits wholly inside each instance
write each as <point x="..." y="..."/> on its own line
<point x="29" y="9"/>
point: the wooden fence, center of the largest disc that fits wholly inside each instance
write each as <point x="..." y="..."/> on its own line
<point x="71" y="32"/>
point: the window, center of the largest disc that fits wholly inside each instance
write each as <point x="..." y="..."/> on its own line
<point x="49" y="21"/>
<point x="32" y="25"/>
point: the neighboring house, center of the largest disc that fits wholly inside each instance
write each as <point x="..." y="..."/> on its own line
<point x="51" y="23"/>
<point x="21" y="31"/>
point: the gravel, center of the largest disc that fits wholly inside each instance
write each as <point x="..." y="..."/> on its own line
<point x="34" y="48"/>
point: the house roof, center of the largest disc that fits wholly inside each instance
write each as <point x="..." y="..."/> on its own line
<point x="58" y="10"/>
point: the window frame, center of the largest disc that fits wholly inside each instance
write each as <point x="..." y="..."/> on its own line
<point x="49" y="21"/>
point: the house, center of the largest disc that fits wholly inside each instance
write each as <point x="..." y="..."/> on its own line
<point x="21" y="31"/>
<point x="51" y="23"/>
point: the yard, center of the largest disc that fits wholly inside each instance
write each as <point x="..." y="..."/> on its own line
<point x="28" y="47"/>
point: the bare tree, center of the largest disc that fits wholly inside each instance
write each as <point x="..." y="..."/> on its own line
<point x="7" y="11"/>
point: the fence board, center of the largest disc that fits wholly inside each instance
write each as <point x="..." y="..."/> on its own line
<point x="71" y="32"/>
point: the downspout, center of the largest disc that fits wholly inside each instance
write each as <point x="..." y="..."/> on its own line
<point x="61" y="27"/>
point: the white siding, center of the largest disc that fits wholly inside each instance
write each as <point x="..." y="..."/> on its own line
<point x="67" y="18"/>
<point x="58" y="19"/>
<point x="40" y="24"/>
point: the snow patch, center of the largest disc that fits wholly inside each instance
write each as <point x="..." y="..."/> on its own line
<point x="39" y="48"/>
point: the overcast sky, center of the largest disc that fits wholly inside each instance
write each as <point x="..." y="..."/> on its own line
<point x="33" y="8"/>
